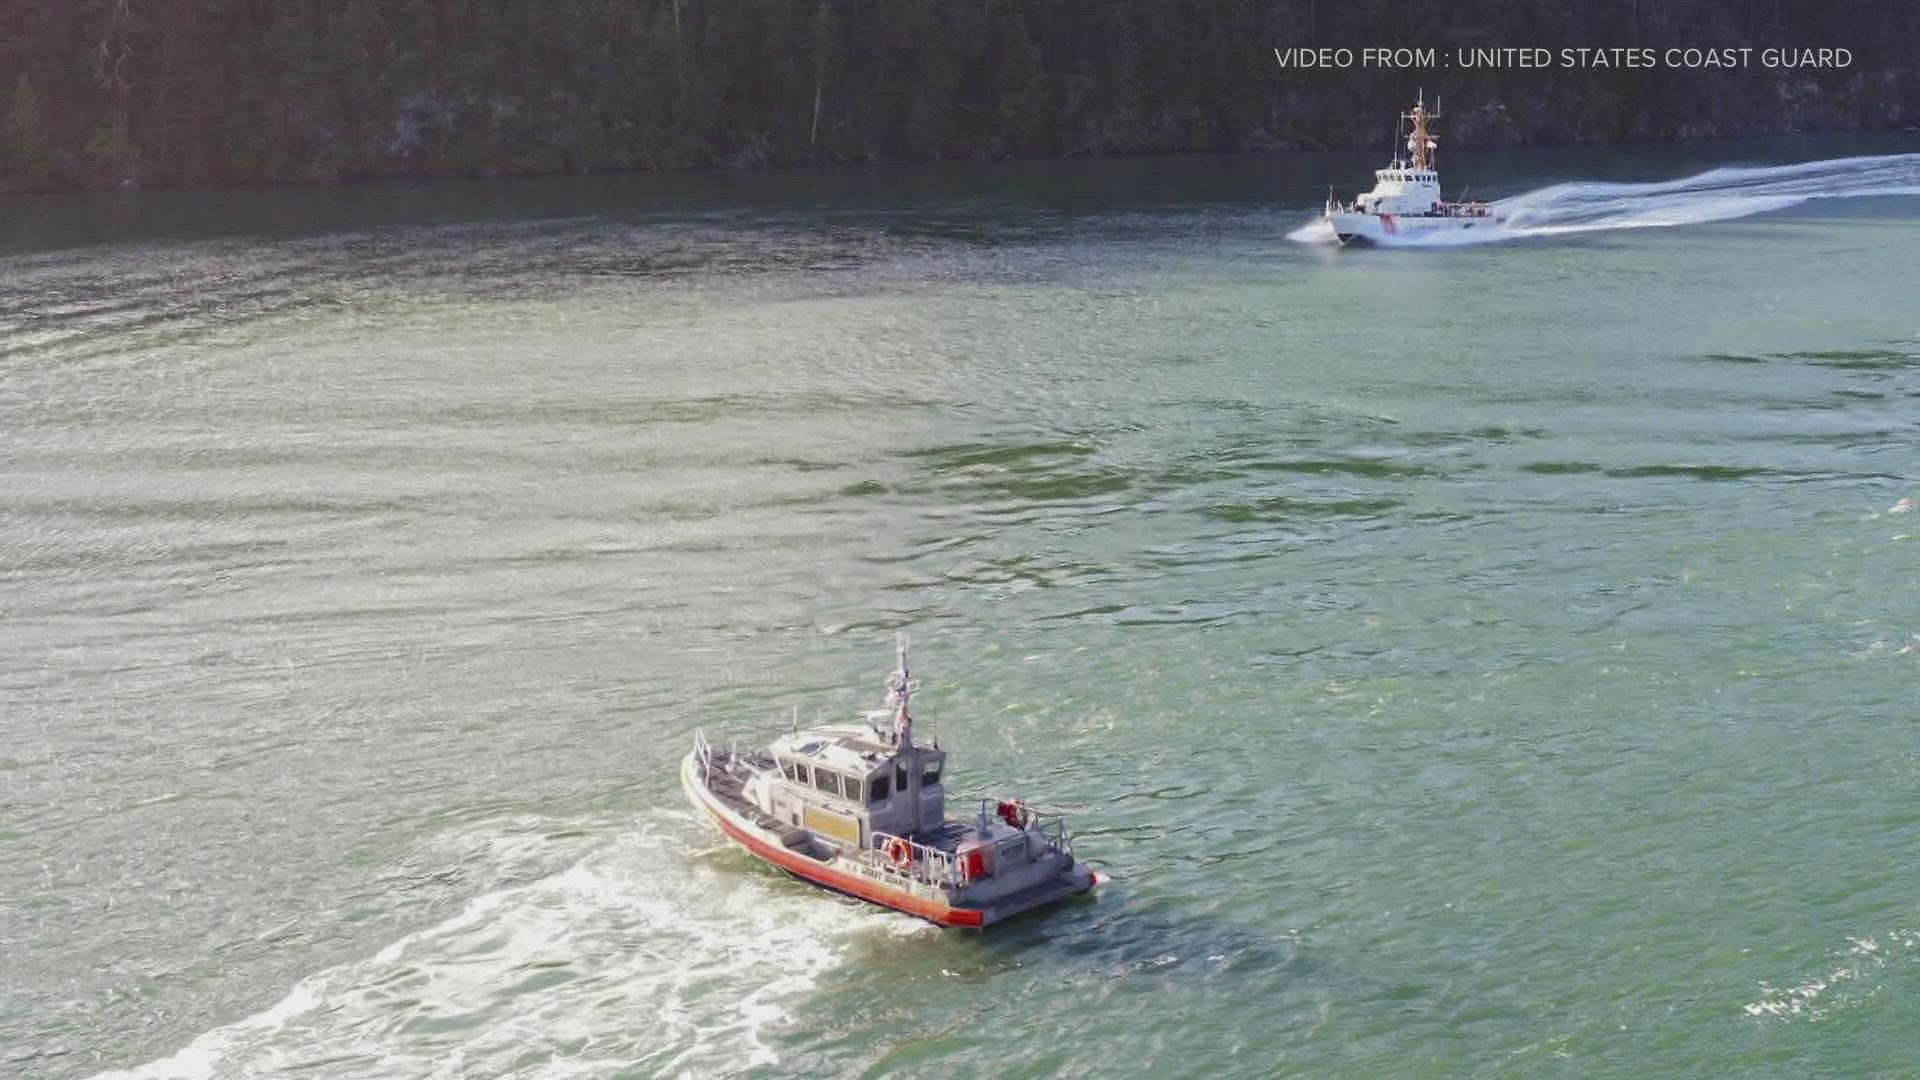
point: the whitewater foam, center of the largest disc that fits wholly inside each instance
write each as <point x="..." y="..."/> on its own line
<point x="1716" y="195"/>
<point x="638" y="956"/>
<point x="1841" y="983"/>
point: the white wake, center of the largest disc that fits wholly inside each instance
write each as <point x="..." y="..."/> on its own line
<point x="1715" y="195"/>
<point x="650" y="956"/>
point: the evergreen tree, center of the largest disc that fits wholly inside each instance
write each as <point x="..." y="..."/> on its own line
<point x="824" y="44"/>
<point x="111" y="151"/>
<point x="28" y="149"/>
<point x="197" y="91"/>
<point x="1022" y="82"/>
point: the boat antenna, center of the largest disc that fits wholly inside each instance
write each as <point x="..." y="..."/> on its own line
<point x="899" y="690"/>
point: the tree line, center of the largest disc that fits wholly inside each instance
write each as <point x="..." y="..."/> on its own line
<point x="137" y="92"/>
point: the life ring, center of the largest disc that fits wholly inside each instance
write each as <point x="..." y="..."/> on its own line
<point x="899" y="853"/>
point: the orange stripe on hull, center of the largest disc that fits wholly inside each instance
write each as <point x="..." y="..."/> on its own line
<point x="812" y="870"/>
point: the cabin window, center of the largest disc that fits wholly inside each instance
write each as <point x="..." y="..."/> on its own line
<point x="877" y="790"/>
<point x="899" y="776"/>
<point x="796" y="771"/>
<point x="930" y="777"/>
<point x="828" y="782"/>
<point x="852" y="787"/>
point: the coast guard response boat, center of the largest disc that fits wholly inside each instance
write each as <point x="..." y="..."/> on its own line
<point x="1405" y="202"/>
<point x="861" y="808"/>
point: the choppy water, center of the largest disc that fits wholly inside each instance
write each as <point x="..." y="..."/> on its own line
<point x="1489" y="662"/>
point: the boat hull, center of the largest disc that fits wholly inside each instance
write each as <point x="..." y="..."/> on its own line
<point x="1364" y="229"/>
<point x="768" y="847"/>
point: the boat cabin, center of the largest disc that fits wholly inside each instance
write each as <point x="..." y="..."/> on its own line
<point x="1399" y="190"/>
<point x="845" y="782"/>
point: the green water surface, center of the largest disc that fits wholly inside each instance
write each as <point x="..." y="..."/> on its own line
<point x="1495" y="662"/>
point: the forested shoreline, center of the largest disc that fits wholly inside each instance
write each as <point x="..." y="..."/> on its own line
<point x="104" y="93"/>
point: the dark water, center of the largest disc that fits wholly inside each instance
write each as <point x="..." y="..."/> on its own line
<point x="1495" y="661"/>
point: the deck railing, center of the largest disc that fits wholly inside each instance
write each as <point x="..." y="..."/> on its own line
<point x="927" y="865"/>
<point x="703" y="753"/>
<point x="734" y="749"/>
<point x="1053" y="827"/>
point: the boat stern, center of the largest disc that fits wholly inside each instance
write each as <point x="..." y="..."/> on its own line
<point x="1078" y="878"/>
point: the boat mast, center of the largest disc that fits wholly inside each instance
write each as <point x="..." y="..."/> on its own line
<point x="899" y="689"/>
<point x="1420" y="142"/>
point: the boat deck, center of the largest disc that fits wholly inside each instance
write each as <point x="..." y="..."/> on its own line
<point x="727" y="787"/>
<point x="946" y="839"/>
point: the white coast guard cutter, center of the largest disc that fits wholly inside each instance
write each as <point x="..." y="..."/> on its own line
<point x="861" y="808"/>
<point x="1405" y="202"/>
